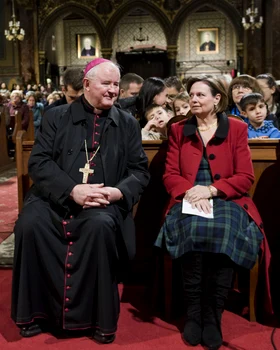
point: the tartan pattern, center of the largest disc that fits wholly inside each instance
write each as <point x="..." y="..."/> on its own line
<point x="231" y="232"/>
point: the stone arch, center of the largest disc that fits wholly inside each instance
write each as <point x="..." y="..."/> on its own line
<point x="124" y="9"/>
<point x="219" y="5"/>
<point x="66" y="9"/>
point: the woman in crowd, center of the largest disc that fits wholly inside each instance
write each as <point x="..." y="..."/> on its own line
<point x="153" y="91"/>
<point x="37" y="108"/>
<point x="239" y="86"/>
<point x="208" y="158"/>
<point x="271" y="92"/>
<point x="3" y="89"/>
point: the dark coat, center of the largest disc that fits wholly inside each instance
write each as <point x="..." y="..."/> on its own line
<point x="124" y="162"/>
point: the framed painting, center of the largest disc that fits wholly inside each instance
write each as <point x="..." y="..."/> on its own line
<point x="86" y="46"/>
<point x="207" y="41"/>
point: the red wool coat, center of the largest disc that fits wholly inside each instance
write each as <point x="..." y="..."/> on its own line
<point x="231" y="167"/>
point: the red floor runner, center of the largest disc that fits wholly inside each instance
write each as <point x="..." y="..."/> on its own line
<point x="138" y="328"/>
<point x="8" y="207"/>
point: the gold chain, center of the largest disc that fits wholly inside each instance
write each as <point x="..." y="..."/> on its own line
<point x="94" y="154"/>
<point x="207" y="128"/>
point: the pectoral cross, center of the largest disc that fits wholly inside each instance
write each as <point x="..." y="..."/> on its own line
<point x="86" y="171"/>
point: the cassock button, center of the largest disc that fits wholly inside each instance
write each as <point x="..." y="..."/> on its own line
<point x="70" y="151"/>
<point x="67" y="299"/>
<point x="68" y="287"/>
<point x="68" y="233"/>
<point x="66" y="309"/>
<point x="68" y="265"/>
<point x="71" y="216"/>
<point x="70" y="243"/>
<point x="68" y="275"/>
<point x="64" y="222"/>
<point x="70" y="254"/>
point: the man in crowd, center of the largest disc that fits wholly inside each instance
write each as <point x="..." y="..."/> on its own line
<point x="130" y="85"/>
<point x="72" y="87"/>
<point x="76" y="227"/>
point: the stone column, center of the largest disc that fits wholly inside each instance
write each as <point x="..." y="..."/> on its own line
<point x="240" y="56"/>
<point x="171" y="56"/>
<point x="42" y="70"/>
<point x="107" y="52"/>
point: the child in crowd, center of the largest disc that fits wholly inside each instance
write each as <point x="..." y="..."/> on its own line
<point x="255" y="110"/>
<point x="156" y="127"/>
<point x="181" y="104"/>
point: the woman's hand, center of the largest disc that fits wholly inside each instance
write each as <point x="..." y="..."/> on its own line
<point x="197" y="193"/>
<point x="202" y="205"/>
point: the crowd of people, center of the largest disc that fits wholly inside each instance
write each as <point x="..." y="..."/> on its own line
<point x="137" y="95"/>
<point x="89" y="169"/>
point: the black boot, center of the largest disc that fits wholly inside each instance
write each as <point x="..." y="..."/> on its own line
<point x="192" y="280"/>
<point x="218" y="284"/>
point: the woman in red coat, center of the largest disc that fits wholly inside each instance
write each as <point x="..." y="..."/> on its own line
<point x="209" y="158"/>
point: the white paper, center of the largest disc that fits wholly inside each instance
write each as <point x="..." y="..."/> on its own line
<point x="187" y="209"/>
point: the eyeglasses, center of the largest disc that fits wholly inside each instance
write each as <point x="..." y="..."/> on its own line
<point x="241" y="86"/>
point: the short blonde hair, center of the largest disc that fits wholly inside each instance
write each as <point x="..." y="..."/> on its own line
<point x="17" y="93"/>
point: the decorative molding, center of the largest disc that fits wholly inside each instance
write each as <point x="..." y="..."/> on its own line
<point x="107" y="52"/>
<point x="42" y="57"/>
<point x="172" y="51"/>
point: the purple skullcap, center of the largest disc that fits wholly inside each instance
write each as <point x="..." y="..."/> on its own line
<point x="94" y="63"/>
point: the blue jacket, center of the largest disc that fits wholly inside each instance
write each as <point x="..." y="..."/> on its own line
<point x="268" y="129"/>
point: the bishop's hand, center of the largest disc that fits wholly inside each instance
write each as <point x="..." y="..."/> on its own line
<point x="88" y="195"/>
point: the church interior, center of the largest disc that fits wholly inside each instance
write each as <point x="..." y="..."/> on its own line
<point x="39" y="40"/>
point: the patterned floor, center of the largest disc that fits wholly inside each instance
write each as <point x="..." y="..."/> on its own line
<point x="6" y="238"/>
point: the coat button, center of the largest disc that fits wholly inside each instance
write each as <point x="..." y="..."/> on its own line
<point x="261" y="225"/>
<point x="211" y="156"/>
<point x="217" y="177"/>
<point x="245" y="206"/>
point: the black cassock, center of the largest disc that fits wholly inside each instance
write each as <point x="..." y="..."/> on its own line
<point x="67" y="258"/>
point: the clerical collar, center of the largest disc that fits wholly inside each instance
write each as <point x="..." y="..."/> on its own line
<point x="89" y="108"/>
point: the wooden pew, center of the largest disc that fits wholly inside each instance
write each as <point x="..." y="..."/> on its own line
<point x="4" y="158"/>
<point x="265" y="154"/>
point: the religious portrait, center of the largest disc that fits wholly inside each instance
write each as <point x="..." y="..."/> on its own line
<point x="207" y="40"/>
<point x="86" y="45"/>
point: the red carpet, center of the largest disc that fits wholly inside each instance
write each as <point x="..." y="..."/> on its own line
<point x="8" y="207"/>
<point x="138" y="329"/>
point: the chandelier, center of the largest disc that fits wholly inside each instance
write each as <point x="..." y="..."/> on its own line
<point x="140" y="37"/>
<point x="14" y="32"/>
<point x="252" y="13"/>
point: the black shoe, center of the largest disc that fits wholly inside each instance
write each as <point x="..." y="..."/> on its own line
<point x="192" y="332"/>
<point x="212" y="337"/>
<point x="103" y="338"/>
<point x="31" y="330"/>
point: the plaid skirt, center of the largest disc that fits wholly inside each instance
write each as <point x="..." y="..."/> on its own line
<point x="230" y="232"/>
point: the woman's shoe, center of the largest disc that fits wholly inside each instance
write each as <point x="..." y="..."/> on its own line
<point x="103" y="338"/>
<point x="192" y="332"/>
<point x="30" y="330"/>
<point x="212" y="337"/>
